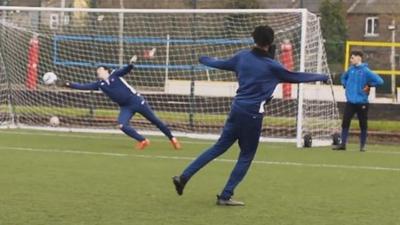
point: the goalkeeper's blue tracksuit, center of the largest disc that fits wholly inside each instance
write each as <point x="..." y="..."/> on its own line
<point x="354" y="81"/>
<point x="129" y="100"/>
<point x="258" y="76"/>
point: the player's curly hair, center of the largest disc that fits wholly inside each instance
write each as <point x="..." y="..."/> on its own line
<point x="263" y="35"/>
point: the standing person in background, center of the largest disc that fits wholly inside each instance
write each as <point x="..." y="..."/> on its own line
<point x="357" y="81"/>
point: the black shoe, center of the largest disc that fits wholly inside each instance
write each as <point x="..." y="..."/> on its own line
<point x="363" y="149"/>
<point x="229" y="202"/>
<point x="179" y="184"/>
<point x="339" y="147"/>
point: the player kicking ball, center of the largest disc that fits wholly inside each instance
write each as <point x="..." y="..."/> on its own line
<point x="258" y="74"/>
<point x="129" y="100"/>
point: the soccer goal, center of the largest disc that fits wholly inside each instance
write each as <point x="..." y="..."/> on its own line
<point x="192" y="99"/>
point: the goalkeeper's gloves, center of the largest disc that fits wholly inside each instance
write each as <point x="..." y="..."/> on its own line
<point x="133" y="60"/>
<point x="61" y="83"/>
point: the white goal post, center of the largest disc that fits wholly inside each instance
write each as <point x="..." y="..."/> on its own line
<point x="190" y="98"/>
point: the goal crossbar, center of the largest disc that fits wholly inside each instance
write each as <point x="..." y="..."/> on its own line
<point x="112" y="10"/>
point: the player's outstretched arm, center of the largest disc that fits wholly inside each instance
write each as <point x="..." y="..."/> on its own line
<point x="78" y="86"/>
<point x="228" y="64"/>
<point x="373" y="79"/>
<point x="126" y="69"/>
<point x="298" y="77"/>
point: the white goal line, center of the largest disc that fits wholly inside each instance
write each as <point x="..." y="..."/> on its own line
<point x="278" y="163"/>
<point x="199" y="136"/>
<point x="120" y="136"/>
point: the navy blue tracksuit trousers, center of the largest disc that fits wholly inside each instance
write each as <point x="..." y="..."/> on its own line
<point x="139" y="105"/>
<point x="246" y="129"/>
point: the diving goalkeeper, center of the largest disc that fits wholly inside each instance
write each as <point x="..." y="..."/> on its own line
<point x="258" y="74"/>
<point x="129" y="100"/>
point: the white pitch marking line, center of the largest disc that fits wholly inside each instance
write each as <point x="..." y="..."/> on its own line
<point x="121" y="137"/>
<point x="191" y="158"/>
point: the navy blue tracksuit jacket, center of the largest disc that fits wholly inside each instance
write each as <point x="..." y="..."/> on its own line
<point x="258" y="75"/>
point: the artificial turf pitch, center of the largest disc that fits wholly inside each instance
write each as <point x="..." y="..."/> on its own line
<point x="53" y="178"/>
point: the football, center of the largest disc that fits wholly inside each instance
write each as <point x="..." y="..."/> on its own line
<point x="49" y="78"/>
<point x="54" y="121"/>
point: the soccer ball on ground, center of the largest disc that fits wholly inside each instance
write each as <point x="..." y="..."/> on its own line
<point x="54" y="121"/>
<point x="49" y="78"/>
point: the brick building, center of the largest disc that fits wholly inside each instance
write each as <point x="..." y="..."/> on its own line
<point x="370" y="20"/>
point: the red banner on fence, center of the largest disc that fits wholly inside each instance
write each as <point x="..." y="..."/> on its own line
<point x="33" y="62"/>
<point x="286" y="58"/>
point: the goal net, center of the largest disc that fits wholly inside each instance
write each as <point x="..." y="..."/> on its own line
<point x="190" y="98"/>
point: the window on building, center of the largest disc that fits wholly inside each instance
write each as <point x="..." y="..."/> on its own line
<point x="371" y="26"/>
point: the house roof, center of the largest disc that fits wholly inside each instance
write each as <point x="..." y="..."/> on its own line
<point x="375" y="7"/>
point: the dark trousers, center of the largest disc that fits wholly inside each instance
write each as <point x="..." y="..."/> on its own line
<point x="242" y="127"/>
<point x="139" y="105"/>
<point x="362" y="113"/>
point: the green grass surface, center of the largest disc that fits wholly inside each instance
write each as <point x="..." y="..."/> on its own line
<point x="75" y="179"/>
<point x="165" y="116"/>
<point x="171" y="117"/>
<point x="380" y="125"/>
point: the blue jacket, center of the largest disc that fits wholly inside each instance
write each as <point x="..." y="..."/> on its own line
<point x="355" y="79"/>
<point x="115" y="87"/>
<point x="258" y="75"/>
